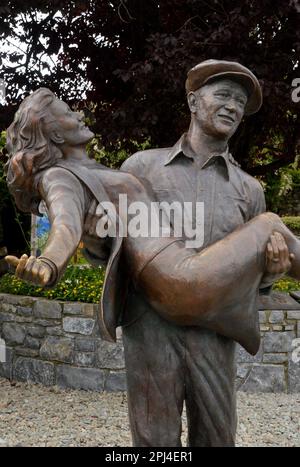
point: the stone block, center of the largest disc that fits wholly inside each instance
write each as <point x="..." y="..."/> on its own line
<point x="277" y="328"/>
<point x="73" y="308"/>
<point x="25" y="352"/>
<point x="243" y="371"/>
<point x="7" y="308"/>
<point x="293" y="314"/>
<point x="13" y="333"/>
<point x="294" y="376"/>
<point x="85" y="344"/>
<point x="265" y="378"/>
<point x="32" y="342"/>
<point x="21" y="300"/>
<point x="242" y="356"/>
<point x="276" y="316"/>
<point x="7" y="317"/>
<point x="86" y="359"/>
<point x="24" y="310"/>
<point x="6" y="366"/>
<point x="262" y="316"/>
<point x="26" y="301"/>
<point x="89" y="379"/>
<point x="275" y="358"/>
<point x="83" y="326"/>
<point x="88" y="310"/>
<point x="110" y="355"/>
<point x="298" y="329"/>
<point x="23" y="319"/>
<point x="280" y="342"/>
<point x="55" y="331"/>
<point x="36" y="331"/>
<point x="47" y="322"/>
<point x="115" y="381"/>
<point x="57" y="349"/>
<point x="36" y="371"/>
<point x="289" y="327"/>
<point x="48" y="309"/>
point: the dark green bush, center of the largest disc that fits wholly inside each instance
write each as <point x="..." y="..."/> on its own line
<point x="293" y="223"/>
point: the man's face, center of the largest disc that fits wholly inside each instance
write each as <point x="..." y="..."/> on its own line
<point x="219" y="107"/>
<point x="69" y="125"/>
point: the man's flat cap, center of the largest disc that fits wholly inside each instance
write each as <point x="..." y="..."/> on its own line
<point x="211" y="70"/>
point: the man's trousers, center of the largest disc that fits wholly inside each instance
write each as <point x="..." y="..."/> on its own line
<point x="168" y="364"/>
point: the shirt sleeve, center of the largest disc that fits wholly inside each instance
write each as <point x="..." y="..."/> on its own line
<point x="259" y="201"/>
<point x="65" y="198"/>
<point x="258" y="208"/>
<point x="133" y="165"/>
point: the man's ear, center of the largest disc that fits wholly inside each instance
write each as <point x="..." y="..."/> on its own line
<point x="192" y="101"/>
<point x="57" y="138"/>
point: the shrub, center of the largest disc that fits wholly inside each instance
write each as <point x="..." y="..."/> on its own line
<point x="79" y="283"/>
<point x="286" y="284"/>
<point x="293" y="223"/>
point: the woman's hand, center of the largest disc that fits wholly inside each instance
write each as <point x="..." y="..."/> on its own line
<point x="31" y="269"/>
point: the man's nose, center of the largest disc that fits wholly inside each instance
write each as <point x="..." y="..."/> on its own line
<point x="230" y="105"/>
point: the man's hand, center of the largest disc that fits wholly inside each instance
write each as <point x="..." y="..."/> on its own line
<point x="278" y="260"/>
<point x="30" y="269"/>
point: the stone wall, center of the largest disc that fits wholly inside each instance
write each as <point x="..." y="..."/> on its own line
<point x="57" y="343"/>
<point x="273" y="369"/>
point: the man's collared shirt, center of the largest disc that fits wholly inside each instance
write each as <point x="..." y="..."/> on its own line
<point x="231" y="197"/>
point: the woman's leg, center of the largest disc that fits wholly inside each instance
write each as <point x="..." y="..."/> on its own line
<point x="216" y="288"/>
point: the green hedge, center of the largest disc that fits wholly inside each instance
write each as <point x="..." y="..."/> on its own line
<point x="79" y="284"/>
<point x="286" y="284"/>
<point x="293" y="223"/>
<point x="84" y="284"/>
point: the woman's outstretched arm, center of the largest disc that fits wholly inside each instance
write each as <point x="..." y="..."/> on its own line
<point x="65" y="199"/>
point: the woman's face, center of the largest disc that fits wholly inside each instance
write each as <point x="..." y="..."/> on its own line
<point x="69" y="127"/>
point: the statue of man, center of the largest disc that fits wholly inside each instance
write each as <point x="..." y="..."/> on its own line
<point x="167" y="364"/>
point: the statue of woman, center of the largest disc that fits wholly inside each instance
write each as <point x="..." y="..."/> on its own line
<point x="217" y="288"/>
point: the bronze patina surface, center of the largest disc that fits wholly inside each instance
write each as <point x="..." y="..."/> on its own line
<point x="181" y="309"/>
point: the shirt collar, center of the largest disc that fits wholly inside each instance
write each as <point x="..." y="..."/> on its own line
<point x="182" y="147"/>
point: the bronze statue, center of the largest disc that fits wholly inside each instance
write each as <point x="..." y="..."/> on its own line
<point x="181" y="309"/>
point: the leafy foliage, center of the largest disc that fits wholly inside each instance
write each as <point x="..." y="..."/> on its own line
<point x="79" y="283"/>
<point x="14" y="227"/>
<point x="286" y="284"/>
<point x="281" y="185"/>
<point x="129" y="59"/>
<point x="4" y="195"/>
<point x="293" y="223"/>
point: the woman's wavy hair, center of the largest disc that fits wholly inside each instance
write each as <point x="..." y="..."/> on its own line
<point x="30" y="149"/>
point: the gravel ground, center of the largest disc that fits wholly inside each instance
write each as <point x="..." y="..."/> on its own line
<point x="32" y="415"/>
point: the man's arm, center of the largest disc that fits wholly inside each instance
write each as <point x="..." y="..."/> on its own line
<point x="278" y="259"/>
<point x="133" y="165"/>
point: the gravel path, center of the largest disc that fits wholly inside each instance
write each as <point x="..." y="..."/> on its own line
<point x="32" y="415"/>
